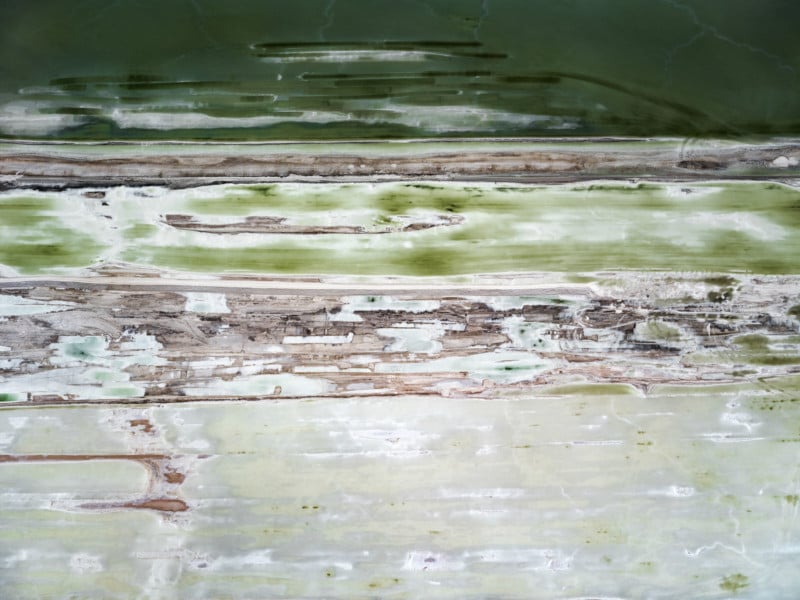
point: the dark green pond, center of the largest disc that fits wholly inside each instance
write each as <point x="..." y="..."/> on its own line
<point x="328" y="69"/>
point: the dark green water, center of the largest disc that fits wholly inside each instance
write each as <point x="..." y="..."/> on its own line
<point x="333" y="69"/>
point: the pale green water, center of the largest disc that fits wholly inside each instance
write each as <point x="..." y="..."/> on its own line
<point x="308" y="69"/>
<point x="555" y="495"/>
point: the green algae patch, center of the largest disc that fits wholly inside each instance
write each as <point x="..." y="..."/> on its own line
<point x="581" y="279"/>
<point x="73" y="250"/>
<point x="243" y="202"/>
<point x="19" y="211"/>
<point x="139" y="231"/>
<point x="765" y="359"/>
<point x="34" y="238"/>
<point x="753" y="342"/>
<point x="690" y="389"/>
<point x="258" y="259"/>
<point x="658" y="331"/>
<point x="425" y="230"/>
<point x="773" y="360"/>
<point x="715" y="227"/>
<point x="590" y="389"/>
<point x="757" y="351"/>
<point x="734" y="583"/>
<point x="721" y="281"/>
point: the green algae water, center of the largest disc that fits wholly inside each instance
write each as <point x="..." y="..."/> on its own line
<point x="328" y="69"/>
<point x="429" y="229"/>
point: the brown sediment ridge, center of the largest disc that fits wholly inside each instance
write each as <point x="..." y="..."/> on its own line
<point x="174" y="477"/>
<point x="26" y="458"/>
<point x="63" y="165"/>
<point x="278" y="225"/>
<point x="144" y="424"/>
<point x="590" y="337"/>
<point x="169" y="505"/>
<point x="163" y="477"/>
<point x="160" y="504"/>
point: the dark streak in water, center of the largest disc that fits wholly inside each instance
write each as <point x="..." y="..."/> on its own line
<point x="386" y="45"/>
<point x="390" y="81"/>
<point x="488" y="55"/>
<point x="104" y="79"/>
<point x="546" y="79"/>
<point x="73" y="110"/>
<point x="399" y="76"/>
<point x="652" y="98"/>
